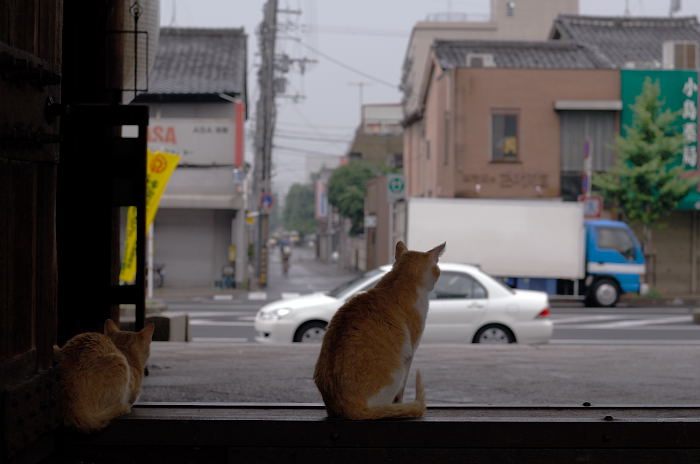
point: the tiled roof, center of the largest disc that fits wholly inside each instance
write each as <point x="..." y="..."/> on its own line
<point x="195" y="61"/>
<point x="519" y="54"/>
<point x="626" y="39"/>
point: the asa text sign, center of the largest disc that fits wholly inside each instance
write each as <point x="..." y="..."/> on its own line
<point x="198" y="141"/>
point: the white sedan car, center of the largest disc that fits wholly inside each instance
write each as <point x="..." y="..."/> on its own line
<point x="466" y="305"/>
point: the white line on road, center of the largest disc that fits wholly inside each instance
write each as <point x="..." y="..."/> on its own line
<point x="630" y="323"/>
<point x="287" y="295"/>
<point x="575" y="341"/>
<point x="200" y="314"/>
<point x="219" y="340"/>
<point x="257" y="296"/>
<point x="570" y="320"/>
<point x="210" y="323"/>
<point x="223" y="297"/>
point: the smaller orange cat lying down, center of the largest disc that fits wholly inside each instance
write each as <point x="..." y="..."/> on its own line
<point x="368" y="348"/>
<point x="100" y="376"/>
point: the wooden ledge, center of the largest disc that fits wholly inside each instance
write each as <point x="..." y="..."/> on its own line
<point x="258" y="432"/>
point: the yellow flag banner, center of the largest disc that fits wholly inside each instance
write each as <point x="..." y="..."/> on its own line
<point x="159" y="169"/>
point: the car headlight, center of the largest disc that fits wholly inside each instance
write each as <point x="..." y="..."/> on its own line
<point x="274" y="314"/>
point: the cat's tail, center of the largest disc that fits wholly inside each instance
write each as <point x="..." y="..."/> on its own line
<point x="413" y="409"/>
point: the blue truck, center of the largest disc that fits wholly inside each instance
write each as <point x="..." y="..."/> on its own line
<point x="533" y="244"/>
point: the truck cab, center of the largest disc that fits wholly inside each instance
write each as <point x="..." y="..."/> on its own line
<point x="614" y="262"/>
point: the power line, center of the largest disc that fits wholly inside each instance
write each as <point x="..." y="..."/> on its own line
<point x="305" y="151"/>
<point x="328" y="126"/>
<point x="343" y="30"/>
<point x="346" y="134"/>
<point x="312" y="139"/>
<point x="349" y="68"/>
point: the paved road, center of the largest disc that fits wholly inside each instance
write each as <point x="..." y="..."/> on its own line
<point x="232" y="321"/>
<point x="229" y="318"/>
<point x="462" y="374"/>
<point x="655" y="360"/>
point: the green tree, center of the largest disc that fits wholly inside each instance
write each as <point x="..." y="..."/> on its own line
<point x="299" y="211"/>
<point x="646" y="183"/>
<point x="346" y="191"/>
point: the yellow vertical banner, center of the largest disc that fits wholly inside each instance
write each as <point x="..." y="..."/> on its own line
<point x="160" y="166"/>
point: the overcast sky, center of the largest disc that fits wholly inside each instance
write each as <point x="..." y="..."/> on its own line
<point x="369" y="36"/>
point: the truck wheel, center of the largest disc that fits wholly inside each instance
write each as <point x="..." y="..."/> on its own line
<point x="494" y="334"/>
<point x="604" y="293"/>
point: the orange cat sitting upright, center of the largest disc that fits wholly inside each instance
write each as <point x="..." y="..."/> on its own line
<point x="368" y="348"/>
<point x="100" y="375"/>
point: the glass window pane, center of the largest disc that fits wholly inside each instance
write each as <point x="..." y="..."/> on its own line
<point x="504" y="136"/>
<point x="457" y="285"/>
<point x="617" y="239"/>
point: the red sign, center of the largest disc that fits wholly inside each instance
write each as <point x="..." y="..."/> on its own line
<point x="164" y="134"/>
<point x="592" y="206"/>
<point x="239" y="121"/>
<point x="266" y="201"/>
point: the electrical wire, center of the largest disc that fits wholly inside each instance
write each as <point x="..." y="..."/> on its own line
<point x="312" y="139"/>
<point x="305" y="151"/>
<point x="349" y="68"/>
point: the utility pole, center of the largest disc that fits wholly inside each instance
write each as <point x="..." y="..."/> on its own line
<point x="360" y="88"/>
<point x="264" y="131"/>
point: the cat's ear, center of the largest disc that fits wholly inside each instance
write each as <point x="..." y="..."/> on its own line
<point x="436" y="252"/>
<point x="110" y="327"/>
<point x="147" y="332"/>
<point x="400" y="249"/>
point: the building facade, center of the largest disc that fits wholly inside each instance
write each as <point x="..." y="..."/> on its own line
<point x="197" y="99"/>
<point x="508" y="20"/>
<point x="506" y="119"/>
<point x="508" y="131"/>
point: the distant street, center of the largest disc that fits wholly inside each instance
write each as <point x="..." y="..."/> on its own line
<point x="229" y="318"/>
<point x="652" y="359"/>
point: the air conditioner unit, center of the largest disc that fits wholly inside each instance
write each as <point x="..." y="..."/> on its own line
<point x="680" y="55"/>
<point x="480" y="60"/>
<point x="642" y="65"/>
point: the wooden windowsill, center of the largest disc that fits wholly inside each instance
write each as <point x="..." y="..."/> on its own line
<point x="258" y="432"/>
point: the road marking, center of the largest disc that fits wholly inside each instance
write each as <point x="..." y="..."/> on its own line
<point x="631" y="323"/>
<point x="223" y="297"/>
<point x="210" y="323"/>
<point x="569" y="320"/>
<point x="257" y="296"/>
<point x="185" y="307"/>
<point x="574" y="341"/>
<point x="287" y="295"/>
<point x="200" y="314"/>
<point x="218" y="340"/>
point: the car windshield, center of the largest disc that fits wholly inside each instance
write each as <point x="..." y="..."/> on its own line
<point x="342" y="288"/>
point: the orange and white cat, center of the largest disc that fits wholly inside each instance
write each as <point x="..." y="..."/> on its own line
<point x="368" y="348"/>
<point x="100" y="375"/>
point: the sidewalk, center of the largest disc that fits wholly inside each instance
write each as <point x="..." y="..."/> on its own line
<point x="306" y="274"/>
<point x="457" y="374"/>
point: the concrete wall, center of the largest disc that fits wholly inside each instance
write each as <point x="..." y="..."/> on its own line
<point x="194" y="221"/>
<point x="377" y="204"/>
<point x="193" y="245"/>
<point x="454" y="155"/>
<point x="677" y="254"/>
<point x="480" y="93"/>
<point x="532" y="20"/>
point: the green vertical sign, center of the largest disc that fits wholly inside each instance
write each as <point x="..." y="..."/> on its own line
<point x="679" y="91"/>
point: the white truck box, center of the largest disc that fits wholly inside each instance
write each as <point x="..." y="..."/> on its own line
<point x="506" y="238"/>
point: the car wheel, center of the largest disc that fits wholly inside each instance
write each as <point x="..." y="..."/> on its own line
<point x="604" y="293"/>
<point x="494" y="334"/>
<point x="310" y="332"/>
